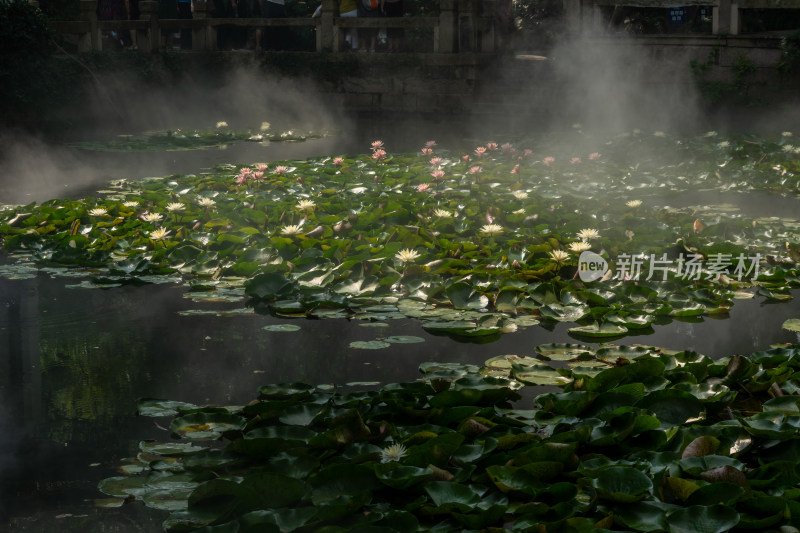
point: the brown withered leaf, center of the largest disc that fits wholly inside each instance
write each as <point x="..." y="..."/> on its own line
<point x="440" y="474"/>
<point x="726" y="474"/>
<point x="705" y="445"/>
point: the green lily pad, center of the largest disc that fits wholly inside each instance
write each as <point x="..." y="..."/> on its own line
<point x="622" y="484"/>
<point x="563" y="351"/>
<point x="605" y="330"/>
<point x="538" y="375"/>
<point x="369" y="345"/>
<point x="169" y="448"/>
<point x="703" y="519"/>
<point x="403" y="339"/>
<point x="282" y="327"/>
<point x="206" y="426"/>
<point x="792" y="324"/>
<point x="153" y="407"/>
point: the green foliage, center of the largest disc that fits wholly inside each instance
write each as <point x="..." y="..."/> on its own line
<point x="717" y="91"/>
<point x="631" y="447"/>
<point x="24" y="33"/>
<point x="60" y="9"/>
<point x="790" y="52"/>
<point x="391" y="236"/>
<point x="26" y="45"/>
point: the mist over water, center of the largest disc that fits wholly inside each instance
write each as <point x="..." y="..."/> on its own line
<point x="608" y="90"/>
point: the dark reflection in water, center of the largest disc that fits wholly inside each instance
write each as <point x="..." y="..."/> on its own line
<point x="74" y="361"/>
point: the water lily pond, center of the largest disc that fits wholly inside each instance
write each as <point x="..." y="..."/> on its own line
<point x="574" y="307"/>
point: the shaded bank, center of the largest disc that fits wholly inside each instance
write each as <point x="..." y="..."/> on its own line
<point x="613" y="83"/>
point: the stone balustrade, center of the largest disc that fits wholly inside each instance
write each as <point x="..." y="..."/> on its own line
<point x="462" y="26"/>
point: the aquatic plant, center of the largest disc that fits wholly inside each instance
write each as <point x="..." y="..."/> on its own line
<point x="194" y="139"/>
<point x="305" y="237"/>
<point x="632" y="438"/>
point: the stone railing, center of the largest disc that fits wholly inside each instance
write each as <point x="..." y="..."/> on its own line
<point x="462" y="26"/>
<point x="583" y="16"/>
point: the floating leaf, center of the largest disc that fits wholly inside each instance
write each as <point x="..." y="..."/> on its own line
<point x="153" y="407"/>
<point x="563" y="351"/>
<point x="622" y="484"/>
<point x="403" y="339"/>
<point x="792" y="324"/>
<point x="702" y="519"/>
<point x="605" y="330"/>
<point x="369" y="345"/>
<point x="282" y="327"/>
<point x="206" y="426"/>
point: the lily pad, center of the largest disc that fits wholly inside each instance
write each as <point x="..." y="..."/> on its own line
<point x="563" y="351"/>
<point x="206" y="426"/>
<point x="622" y="484"/>
<point x="792" y="324"/>
<point x="282" y="327"/>
<point x="369" y="345"/>
<point x="605" y="330"/>
<point x="403" y="339"/>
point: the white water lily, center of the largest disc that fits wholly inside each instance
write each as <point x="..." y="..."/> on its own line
<point x="786" y="133"/>
<point x="723" y="144"/>
<point x="175" y="206"/>
<point x="588" y="234"/>
<point x="152" y="217"/>
<point x="634" y="203"/>
<point x="205" y="202"/>
<point x="131" y="203"/>
<point x="291" y="229"/>
<point x="442" y="213"/>
<point x="394" y="452"/>
<point x="407" y="255"/>
<point x="559" y="256"/>
<point x="788" y="148"/>
<point x="159" y="234"/>
<point x="580" y="246"/>
<point x="306" y="205"/>
<point x="520" y="195"/>
<point x="222" y="124"/>
<point x="98" y="212"/>
<point x="492" y="229"/>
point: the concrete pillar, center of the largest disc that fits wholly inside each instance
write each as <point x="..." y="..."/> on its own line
<point x="325" y="30"/>
<point x="448" y="16"/>
<point x="572" y="16"/>
<point x="203" y="38"/>
<point x="736" y="21"/>
<point x="466" y="27"/>
<point x="589" y="13"/>
<point x="92" y="40"/>
<point x="725" y="18"/>
<point x="149" y="40"/>
<point x="486" y="31"/>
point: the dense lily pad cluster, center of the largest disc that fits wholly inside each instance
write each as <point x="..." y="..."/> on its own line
<point x="195" y="139"/>
<point x="473" y="242"/>
<point x="636" y="439"/>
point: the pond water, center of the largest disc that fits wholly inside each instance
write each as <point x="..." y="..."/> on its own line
<point x="74" y="361"/>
